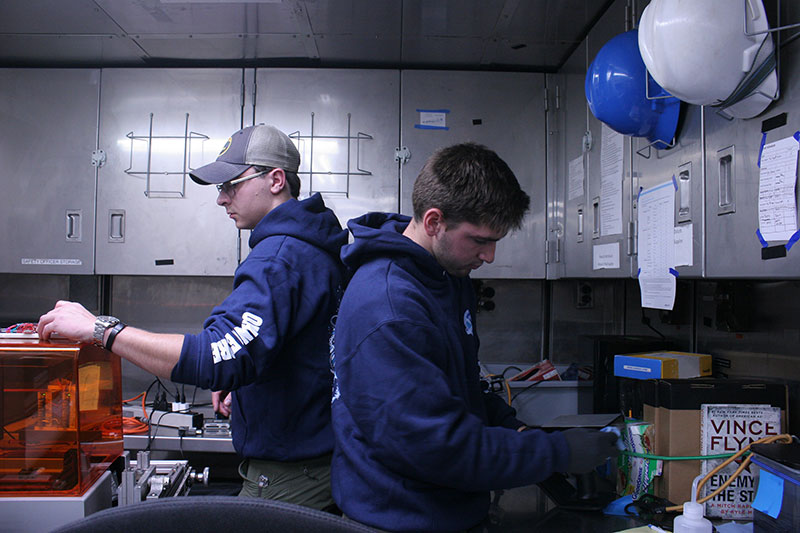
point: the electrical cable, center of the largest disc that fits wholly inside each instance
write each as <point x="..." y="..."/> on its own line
<point x="774" y="438"/>
<point x="526" y="388"/>
<point x="646" y="322"/>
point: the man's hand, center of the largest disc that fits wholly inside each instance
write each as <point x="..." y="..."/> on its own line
<point x="68" y="319"/>
<point x="221" y="400"/>
<point x="589" y="448"/>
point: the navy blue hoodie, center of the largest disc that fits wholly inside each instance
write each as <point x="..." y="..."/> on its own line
<point x="418" y="444"/>
<point x="269" y="340"/>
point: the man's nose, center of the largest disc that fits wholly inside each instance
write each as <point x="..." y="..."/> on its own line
<point x="487" y="254"/>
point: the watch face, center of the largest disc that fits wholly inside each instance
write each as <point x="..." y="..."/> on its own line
<point x="101" y="324"/>
<point x="107" y="321"/>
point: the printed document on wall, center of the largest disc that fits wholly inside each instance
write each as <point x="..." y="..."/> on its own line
<point x="576" y="178"/>
<point x="656" y="246"/>
<point x="611" y="156"/>
<point x="777" y="211"/>
<point x="605" y="256"/>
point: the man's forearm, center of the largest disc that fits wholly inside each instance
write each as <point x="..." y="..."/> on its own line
<point x="158" y="353"/>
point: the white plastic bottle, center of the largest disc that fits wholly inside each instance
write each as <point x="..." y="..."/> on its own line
<point x="692" y="520"/>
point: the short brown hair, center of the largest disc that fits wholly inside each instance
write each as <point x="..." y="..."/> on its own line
<point x="470" y="183"/>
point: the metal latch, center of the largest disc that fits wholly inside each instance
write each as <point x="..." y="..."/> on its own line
<point x="98" y="158"/>
<point x="402" y="154"/>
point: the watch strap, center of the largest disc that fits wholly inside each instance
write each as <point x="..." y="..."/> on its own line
<point x="113" y="335"/>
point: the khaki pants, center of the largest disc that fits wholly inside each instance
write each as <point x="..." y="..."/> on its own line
<point x="306" y="482"/>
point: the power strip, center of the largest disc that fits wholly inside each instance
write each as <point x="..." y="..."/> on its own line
<point x="166" y="418"/>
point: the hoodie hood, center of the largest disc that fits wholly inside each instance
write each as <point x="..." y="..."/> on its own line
<point x="381" y="235"/>
<point x="308" y="220"/>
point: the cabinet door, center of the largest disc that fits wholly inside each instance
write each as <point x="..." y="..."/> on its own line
<point x="598" y="220"/>
<point x="48" y="123"/>
<point x="345" y="124"/>
<point x="733" y="175"/>
<point x="156" y="125"/>
<point x="504" y="111"/>
<point x="683" y="163"/>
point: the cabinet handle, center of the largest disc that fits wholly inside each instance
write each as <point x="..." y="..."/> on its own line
<point x="580" y="223"/>
<point x="73" y="232"/>
<point x="727" y="180"/>
<point x="685" y="193"/>
<point x="596" y="218"/>
<point x="116" y="225"/>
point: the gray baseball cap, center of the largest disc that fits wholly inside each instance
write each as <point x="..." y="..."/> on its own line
<point x="261" y="144"/>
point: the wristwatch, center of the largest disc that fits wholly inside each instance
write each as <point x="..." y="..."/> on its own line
<point x="101" y="324"/>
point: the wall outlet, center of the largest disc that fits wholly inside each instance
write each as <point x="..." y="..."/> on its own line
<point x="585" y="295"/>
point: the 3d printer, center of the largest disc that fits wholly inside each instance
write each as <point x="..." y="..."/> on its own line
<point x="61" y="413"/>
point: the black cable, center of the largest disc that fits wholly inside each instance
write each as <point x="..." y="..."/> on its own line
<point x="506" y="369"/>
<point x="646" y="322"/>
<point x="165" y="387"/>
<point x="526" y="388"/>
<point x="194" y="395"/>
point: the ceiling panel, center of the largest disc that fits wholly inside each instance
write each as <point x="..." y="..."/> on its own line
<point x="532" y="35"/>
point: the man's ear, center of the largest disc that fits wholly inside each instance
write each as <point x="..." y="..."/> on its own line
<point x="433" y="222"/>
<point x="277" y="181"/>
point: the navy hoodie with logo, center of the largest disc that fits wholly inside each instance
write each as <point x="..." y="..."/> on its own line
<point x="269" y="340"/>
<point x="419" y="445"/>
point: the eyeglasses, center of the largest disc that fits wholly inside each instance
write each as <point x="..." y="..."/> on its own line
<point x="229" y="187"/>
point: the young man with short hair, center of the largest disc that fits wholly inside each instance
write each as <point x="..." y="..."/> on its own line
<point x="268" y="342"/>
<point x="419" y="444"/>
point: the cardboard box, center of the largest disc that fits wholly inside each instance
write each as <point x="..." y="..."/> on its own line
<point x="662" y="365"/>
<point x="673" y="405"/>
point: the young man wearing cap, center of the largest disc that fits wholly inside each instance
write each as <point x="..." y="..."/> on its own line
<point x="419" y="444"/>
<point x="268" y="342"/>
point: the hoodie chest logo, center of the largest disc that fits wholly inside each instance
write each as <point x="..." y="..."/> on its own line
<point x="468" y="322"/>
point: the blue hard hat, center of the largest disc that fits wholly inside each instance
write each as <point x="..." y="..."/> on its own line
<point x="615" y="90"/>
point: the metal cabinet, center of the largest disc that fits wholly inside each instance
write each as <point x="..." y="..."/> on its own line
<point x="580" y="144"/>
<point x="733" y="150"/>
<point x="345" y="124"/>
<point x="504" y="111"/>
<point x="48" y="122"/>
<point x="156" y="125"/>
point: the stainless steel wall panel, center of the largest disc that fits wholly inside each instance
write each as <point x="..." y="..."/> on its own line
<point x="178" y="304"/>
<point x="683" y="162"/>
<point x="511" y="332"/>
<point x="154" y="124"/>
<point x="504" y="111"/>
<point x="48" y="122"/>
<point x="734" y="250"/>
<point x="572" y="317"/>
<point x="356" y="174"/>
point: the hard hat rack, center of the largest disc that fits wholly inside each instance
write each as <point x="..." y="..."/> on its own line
<point x="358" y="137"/>
<point x="148" y="173"/>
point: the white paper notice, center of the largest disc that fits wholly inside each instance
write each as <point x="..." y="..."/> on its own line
<point x="658" y="292"/>
<point x="777" y="212"/>
<point x="576" y="178"/>
<point x="656" y="246"/>
<point x="605" y="256"/>
<point x="433" y="119"/>
<point x="611" y="155"/>
<point x="684" y="249"/>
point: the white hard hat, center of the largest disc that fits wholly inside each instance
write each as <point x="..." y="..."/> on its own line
<point x="698" y="51"/>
